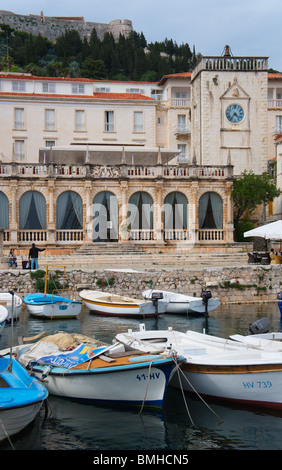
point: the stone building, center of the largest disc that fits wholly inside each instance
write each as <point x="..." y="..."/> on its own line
<point x="133" y="162"/>
<point x="52" y="27"/>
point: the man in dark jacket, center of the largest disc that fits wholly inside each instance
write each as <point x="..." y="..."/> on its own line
<point x="33" y="256"/>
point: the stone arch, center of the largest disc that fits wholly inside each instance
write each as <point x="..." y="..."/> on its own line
<point x="210" y="210"/>
<point x="141" y="214"/>
<point x="32" y="211"/>
<point x="175" y="211"/>
<point x="105" y="215"/>
<point x="4" y="211"/>
<point x="69" y="211"/>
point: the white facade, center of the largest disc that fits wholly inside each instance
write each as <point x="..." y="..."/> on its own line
<point x="182" y="113"/>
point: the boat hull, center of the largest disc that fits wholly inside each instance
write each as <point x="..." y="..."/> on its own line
<point x="3" y="317"/>
<point x="184" y="304"/>
<point x="52" y="306"/>
<point x="195" y="307"/>
<point x="134" y="385"/>
<point x="216" y="367"/>
<point x="111" y="305"/>
<point x="15" y="420"/>
<point x="6" y="301"/>
<point x="21" y="398"/>
<point x="246" y="385"/>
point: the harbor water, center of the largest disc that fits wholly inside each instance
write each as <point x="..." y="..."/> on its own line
<point x="185" y="423"/>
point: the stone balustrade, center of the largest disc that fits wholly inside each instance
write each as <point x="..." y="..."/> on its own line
<point x="38" y="170"/>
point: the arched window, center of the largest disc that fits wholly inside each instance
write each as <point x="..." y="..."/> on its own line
<point x="141" y="216"/>
<point x="141" y="211"/>
<point x="32" y="211"/>
<point x="176" y="211"/>
<point x="69" y="213"/>
<point x="105" y="217"/>
<point x="210" y="211"/>
<point x="4" y="211"/>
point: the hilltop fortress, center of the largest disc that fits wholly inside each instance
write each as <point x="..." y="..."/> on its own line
<point x="52" y="27"/>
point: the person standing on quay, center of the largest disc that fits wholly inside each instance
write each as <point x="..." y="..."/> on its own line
<point x="33" y="256"/>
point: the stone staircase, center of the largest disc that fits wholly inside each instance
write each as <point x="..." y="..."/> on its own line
<point x="117" y="256"/>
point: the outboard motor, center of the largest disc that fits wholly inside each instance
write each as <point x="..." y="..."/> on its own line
<point x="259" y="326"/>
<point x="279" y="296"/>
<point x="206" y="295"/>
<point x="155" y="297"/>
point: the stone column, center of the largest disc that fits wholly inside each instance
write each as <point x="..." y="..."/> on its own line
<point x="229" y="225"/>
<point x="13" y="225"/>
<point x="194" y="214"/>
<point x="88" y="230"/>
<point x="51" y="235"/>
<point x="158" y="219"/>
<point x="123" y="234"/>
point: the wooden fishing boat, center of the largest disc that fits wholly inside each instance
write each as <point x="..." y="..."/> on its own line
<point x="52" y="305"/>
<point x="108" y="304"/>
<point x="181" y="303"/>
<point x="102" y="374"/>
<point x="21" y="397"/>
<point x="216" y="367"/>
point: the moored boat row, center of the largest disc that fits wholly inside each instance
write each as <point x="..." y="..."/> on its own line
<point x="138" y="367"/>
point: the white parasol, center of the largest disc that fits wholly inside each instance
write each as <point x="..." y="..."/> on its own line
<point x="272" y="231"/>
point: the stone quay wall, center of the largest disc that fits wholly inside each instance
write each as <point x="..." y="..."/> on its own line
<point x="246" y="284"/>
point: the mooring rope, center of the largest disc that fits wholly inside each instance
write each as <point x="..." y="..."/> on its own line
<point x="7" y="435"/>
<point x="147" y="385"/>
<point x="193" y="388"/>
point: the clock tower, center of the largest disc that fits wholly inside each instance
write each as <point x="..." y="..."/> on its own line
<point x="229" y="112"/>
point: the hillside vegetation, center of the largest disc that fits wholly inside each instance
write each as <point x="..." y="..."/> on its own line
<point x="129" y="58"/>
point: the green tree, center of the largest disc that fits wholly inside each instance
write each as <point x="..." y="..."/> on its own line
<point x="91" y="68"/>
<point x="249" y="191"/>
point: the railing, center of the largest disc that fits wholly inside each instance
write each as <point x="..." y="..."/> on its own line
<point x="69" y="236"/>
<point x="230" y="63"/>
<point x="32" y="235"/>
<point x="278" y="130"/>
<point x="209" y="235"/>
<point x="179" y="103"/>
<point x="275" y="103"/>
<point x="181" y="129"/>
<point x="30" y="171"/>
<point x="177" y="234"/>
<point x="141" y="235"/>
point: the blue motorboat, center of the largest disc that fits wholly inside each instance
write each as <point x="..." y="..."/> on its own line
<point x="21" y="397"/>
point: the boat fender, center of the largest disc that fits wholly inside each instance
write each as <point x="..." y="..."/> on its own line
<point x="46" y="372"/>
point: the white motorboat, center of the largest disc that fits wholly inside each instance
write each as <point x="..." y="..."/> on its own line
<point x="6" y="301"/>
<point x="216" y="367"/>
<point x="51" y="305"/>
<point x="181" y="303"/>
<point x="3" y="317"/>
<point x="107" y="373"/>
<point x="108" y="304"/>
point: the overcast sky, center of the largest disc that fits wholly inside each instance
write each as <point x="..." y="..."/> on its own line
<point x="249" y="27"/>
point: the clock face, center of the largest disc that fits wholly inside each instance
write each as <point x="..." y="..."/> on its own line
<point x="235" y="113"/>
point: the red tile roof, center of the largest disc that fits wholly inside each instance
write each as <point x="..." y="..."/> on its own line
<point x="105" y="96"/>
<point x="122" y="96"/>
<point x="274" y="76"/>
<point x="18" y="76"/>
<point x="182" y="75"/>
